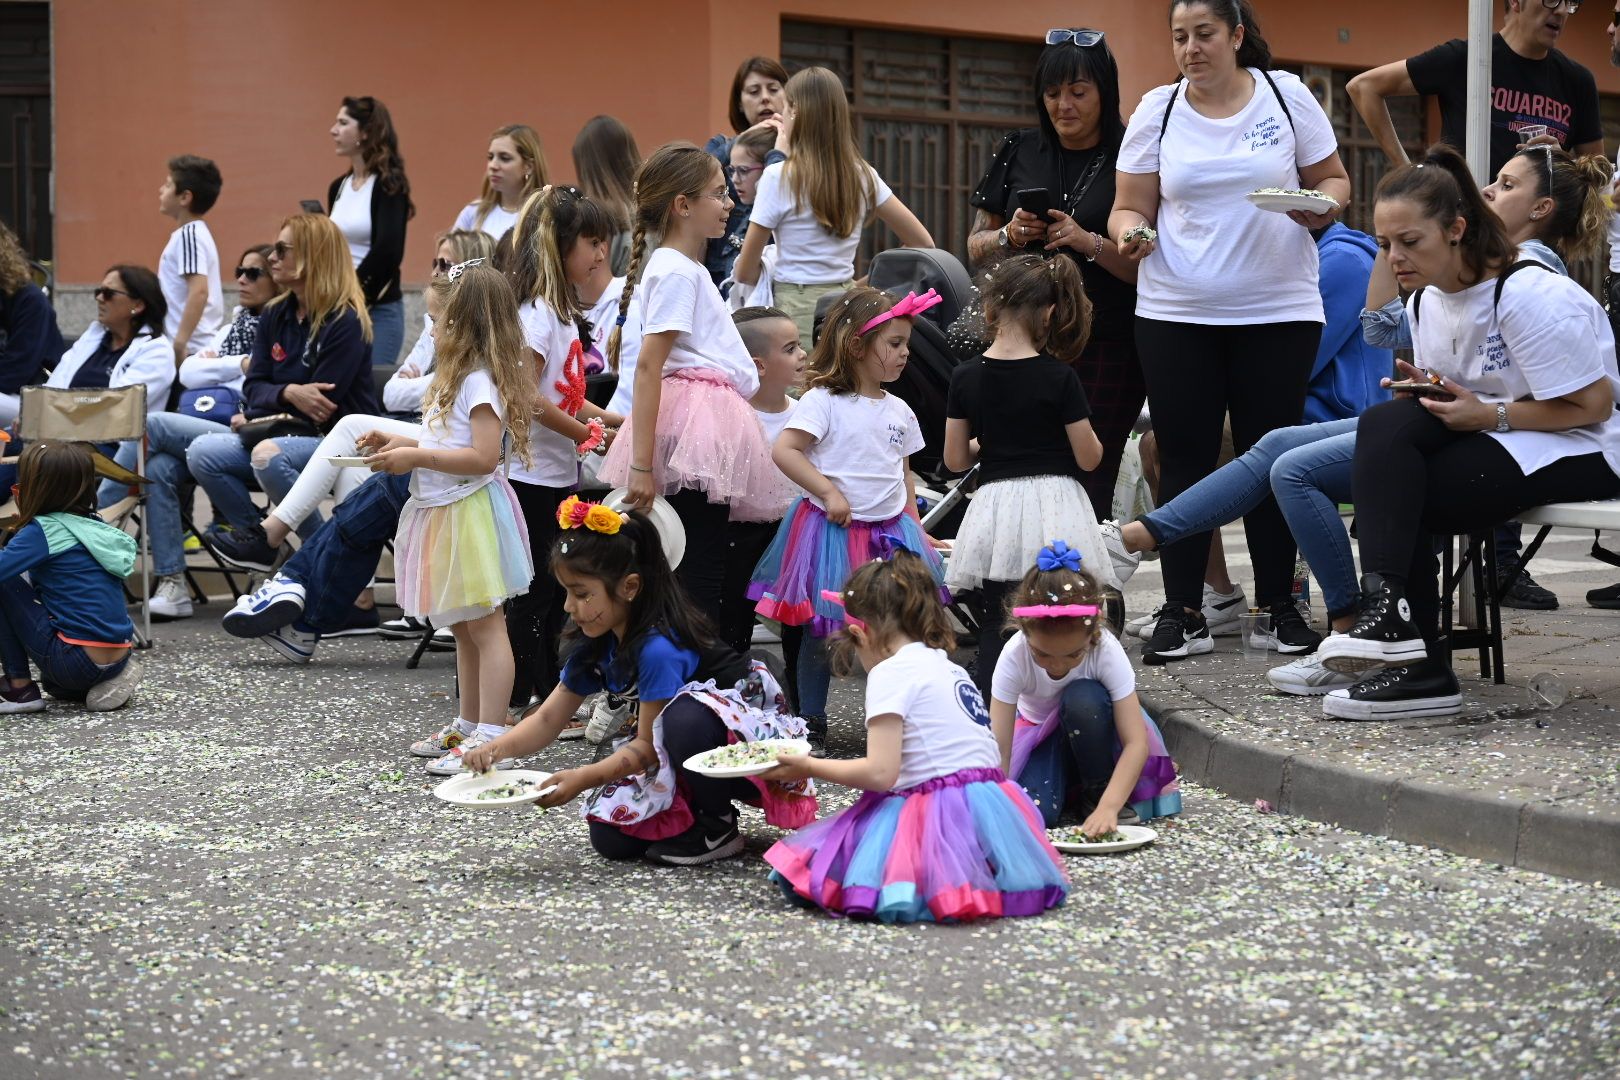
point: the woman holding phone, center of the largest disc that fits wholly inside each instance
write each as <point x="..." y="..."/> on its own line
<point x="1050" y="189"/>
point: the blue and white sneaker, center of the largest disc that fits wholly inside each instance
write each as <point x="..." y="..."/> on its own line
<point x="268" y="608"/>
<point x="294" y="645"/>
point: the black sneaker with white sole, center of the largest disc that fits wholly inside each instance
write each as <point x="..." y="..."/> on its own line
<point x="1291" y="635"/>
<point x="1411" y="691"/>
<point x="1383" y="635"/>
<point x="1178" y="634"/>
<point x="710" y="839"/>
<point x="403" y="628"/>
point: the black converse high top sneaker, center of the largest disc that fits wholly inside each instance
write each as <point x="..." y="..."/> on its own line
<point x="1383" y="635"/>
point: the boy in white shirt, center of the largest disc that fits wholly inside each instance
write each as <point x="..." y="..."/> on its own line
<point x="189" y="268"/>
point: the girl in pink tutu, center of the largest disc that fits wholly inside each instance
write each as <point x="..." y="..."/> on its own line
<point x="461" y="550"/>
<point x="848" y="446"/>
<point x="1063" y="705"/>
<point x="940" y="834"/>
<point x="692" y="437"/>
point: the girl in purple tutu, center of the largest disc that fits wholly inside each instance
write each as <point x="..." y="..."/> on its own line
<point x="1064" y="710"/>
<point x="940" y="834"/>
<point x="848" y="446"/>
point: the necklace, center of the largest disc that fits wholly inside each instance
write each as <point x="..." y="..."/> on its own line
<point x="1453" y="318"/>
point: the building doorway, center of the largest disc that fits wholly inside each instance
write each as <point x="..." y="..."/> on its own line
<point x="25" y="126"/>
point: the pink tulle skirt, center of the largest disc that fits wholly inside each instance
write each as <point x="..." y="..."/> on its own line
<point x="709" y="439"/>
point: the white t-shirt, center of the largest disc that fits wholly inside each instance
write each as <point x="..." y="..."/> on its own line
<point x="1219" y="259"/>
<point x="496" y="223"/>
<point x="602" y="315"/>
<point x="403" y="393"/>
<point x="352" y="215"/>
<point x="433" y="488"/>
<point x="191" y="250"/>
<point x="1019" y="679"/>
<point x="1547" y="338"/>
<point x="944" y="725"/>
<point x="678" y="294"/>
<point x="774" y="422"/>
<point x="861" y="446"/>
<point x="806" y="252"/>
<point x="554" y="462"/>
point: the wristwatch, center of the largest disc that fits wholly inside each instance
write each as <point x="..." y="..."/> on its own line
<point x="1501" y="417"/>
<point x="1002" y="239"/>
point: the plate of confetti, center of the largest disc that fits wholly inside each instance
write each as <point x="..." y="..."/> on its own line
<point x="1071" y="841"/>
<point x="744" y="758"/>
<point x="494" y="789"/>
<point x="348" y="462"/>
<point x="1282" y="200"/>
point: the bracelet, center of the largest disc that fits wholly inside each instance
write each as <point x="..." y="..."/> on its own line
<point x="638" y="468"/>
<point x="1094" y="256"/>
<point x="595" y="437"/>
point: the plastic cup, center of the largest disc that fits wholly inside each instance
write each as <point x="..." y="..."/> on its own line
<point x="1254" y="631"/>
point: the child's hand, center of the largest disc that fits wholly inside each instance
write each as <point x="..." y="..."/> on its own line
<point x="481" y="758"/>
<point x="396" y="462"/>
<point x="789" y="767"/>
<point x="409" y="371"/>
<point x="565" y="786"/>
<point x="1101" y="822"/>
<point x="838" y="508"/>
<point x="640" y="491"/>
<point x="377" y="441"/>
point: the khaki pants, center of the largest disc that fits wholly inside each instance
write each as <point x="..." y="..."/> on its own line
<point x="799" y="302"/>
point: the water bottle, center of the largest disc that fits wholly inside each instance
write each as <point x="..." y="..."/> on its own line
<point x="1301" y="594"/>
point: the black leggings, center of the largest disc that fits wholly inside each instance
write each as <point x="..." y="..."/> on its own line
<point x="689" y="728"/>
<point x="1196" y="375"/>
<point x="534" y="621"/>
<point x="1414" y="477"/>
<point x="702" y="572"/>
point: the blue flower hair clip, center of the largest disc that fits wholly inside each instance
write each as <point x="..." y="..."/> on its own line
<point x="1058" y="555"/>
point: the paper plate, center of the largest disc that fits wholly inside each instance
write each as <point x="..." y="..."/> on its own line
<point x="348" y="462"/>
<point x="664" y="519"/>
<point x="1135" y="837"/>
<point x="464" y="790"/>
<point x="1281" y="202"/>
<point x="696" y="763"/>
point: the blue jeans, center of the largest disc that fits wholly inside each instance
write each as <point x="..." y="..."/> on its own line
<point x="167" y="437"/>
<point x="26" y="632"/>
<point x="223" y="468"/>
<point x="814" y="675"/>
<point x="1082" y="752"/>
<point x="278" y="477"/>
<point x="335" y="563"/>
<point x="1310" y="482"/>
<point x="387" y="332"/>
<point x="1233" y="490"/>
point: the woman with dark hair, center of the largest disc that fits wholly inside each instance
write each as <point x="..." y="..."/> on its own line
<point x="125" y="345"/>
<point x="1229" y="309"/>
<point x="1072" y="154"/>
<point x="29" y="339"/>
<point x="370" y="204"/>
<point x="758" y="99"/>
<point x="606" y="160"/>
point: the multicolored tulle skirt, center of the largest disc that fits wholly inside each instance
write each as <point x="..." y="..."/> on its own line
<point x="1038" y="764"/>
<point x="810" y="554"/>
<point x="968" y="845"/>
<point x="459" y="562"/>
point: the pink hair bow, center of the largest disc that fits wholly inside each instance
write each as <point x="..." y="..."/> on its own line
<point x="909" y="308"/>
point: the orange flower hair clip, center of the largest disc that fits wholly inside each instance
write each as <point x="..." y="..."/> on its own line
<point x="574" y="513"/>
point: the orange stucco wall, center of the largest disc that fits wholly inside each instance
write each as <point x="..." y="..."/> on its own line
<point x="255" y="86"/>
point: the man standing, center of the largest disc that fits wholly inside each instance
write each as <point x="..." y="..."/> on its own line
<point x="1532" y="84"/>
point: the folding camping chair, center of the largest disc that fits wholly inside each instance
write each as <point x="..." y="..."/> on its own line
<point x="106" y="415"/>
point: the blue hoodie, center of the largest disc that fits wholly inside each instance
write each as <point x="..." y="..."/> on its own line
<point x="77" y="565"/>
<point x="1344" y="379"/>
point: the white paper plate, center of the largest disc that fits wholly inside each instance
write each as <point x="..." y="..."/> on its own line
<point x="1135" y="837"/>
<point x="670" y="530"/>
<point x="1281" y="203"/>
<point x="463" y="790"/>
<point x="726" y="772"/>
<point x="348" y="462"/>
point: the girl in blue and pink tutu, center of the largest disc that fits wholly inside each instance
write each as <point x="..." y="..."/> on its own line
<point x="940" y="834"/>
<point x="848" y="446"/>
<point x="1064" y="710"/>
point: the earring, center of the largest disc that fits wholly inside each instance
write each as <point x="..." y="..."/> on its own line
<point x="1454" y="243"/>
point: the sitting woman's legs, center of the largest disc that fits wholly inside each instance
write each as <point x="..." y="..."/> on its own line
<point x="1310" y="482"/>
<point x="320" y="478"/>
<point x="223" y="469"/>
<point x="277" y="463"/>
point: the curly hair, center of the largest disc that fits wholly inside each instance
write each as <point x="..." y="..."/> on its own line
<point x="14" y="269"/>
<point x="897" y="598"/>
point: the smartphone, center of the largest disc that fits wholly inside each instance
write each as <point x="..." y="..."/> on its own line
<point x="311" y="206"/>
<point x="1035" y="200"/>
<point x="1421" y="388"/>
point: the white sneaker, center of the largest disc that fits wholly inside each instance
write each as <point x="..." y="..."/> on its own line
<point x="294" y="645"/>
<point x="1221" y="610"/>
<point x="171" y="599"/>
<point x="116" y="691"/>
<point x="450" y="764"/>
<point x="1125" y="562"/>
<point x="1307" y="677"/>
<point x="607" y="718"/>
<point x="1142" y="626"/>
<point x="265" y="610"/>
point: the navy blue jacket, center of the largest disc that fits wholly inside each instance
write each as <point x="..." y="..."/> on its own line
<point x="29" y="339"/>
<point x="281" y="357"/>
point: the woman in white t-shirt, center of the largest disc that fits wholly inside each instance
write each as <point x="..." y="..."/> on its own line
<point x="1522" y="360"/>
<point x="1228" y="310"/>
<point x="516" y="170"/>
<point x="816" y="202"/>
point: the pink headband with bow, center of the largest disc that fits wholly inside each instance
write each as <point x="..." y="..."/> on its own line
<point x="912" y="306"/>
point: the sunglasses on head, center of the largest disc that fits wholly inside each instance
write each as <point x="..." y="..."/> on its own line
<point x="1084" y="39"/>
<point x="104" y="294"/>
<point x="252" y="273"/>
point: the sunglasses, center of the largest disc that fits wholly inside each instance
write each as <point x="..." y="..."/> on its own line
<point x="105" y="294"/>
<point x="282" y="249"/>
<point x="1084" y="39"/>
<point x="441" y="267"/>
<point x="252" y="273"/>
